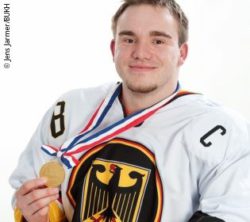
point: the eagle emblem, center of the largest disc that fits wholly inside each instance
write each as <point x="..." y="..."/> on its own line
<point x="113" y="192"/>
<point x="116" y="181"/>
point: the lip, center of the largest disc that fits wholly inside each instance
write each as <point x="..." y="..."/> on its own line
<point x="142" y="67"/>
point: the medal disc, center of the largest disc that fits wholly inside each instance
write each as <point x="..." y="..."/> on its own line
<point x="54" y="173"/>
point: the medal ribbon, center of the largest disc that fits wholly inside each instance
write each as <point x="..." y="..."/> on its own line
<point x="82" y="142"/>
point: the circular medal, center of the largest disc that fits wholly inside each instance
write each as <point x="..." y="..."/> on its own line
<point x="54" y="173"/>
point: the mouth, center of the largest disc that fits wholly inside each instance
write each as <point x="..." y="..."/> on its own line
<point x="141" y="68"/>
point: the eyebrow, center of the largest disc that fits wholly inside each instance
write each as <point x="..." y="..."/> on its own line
<point x="125" y="32"/>
<point x="158" y="33"/>
<point x="152" y="33"/>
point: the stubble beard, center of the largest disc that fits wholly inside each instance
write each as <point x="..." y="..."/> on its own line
<point x="135" y="85"/>
<point x="140" y="88"/>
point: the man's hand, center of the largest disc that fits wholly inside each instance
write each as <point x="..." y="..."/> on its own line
<point x="33" y="199"/>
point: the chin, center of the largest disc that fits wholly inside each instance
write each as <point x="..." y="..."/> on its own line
<point x="137" y="88"/>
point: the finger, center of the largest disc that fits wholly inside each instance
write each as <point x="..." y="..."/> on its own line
<point x="30" y="185"/>
<point x="41" y="215"/>
<point x="37" y="194"/>
<point x="22" y="195"/>
<point x="38" y="205"/>
<point x="43" y="212"/>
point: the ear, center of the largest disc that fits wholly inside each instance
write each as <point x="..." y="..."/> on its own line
<point x="183" y="53"/>
<point x="112" y="47"/>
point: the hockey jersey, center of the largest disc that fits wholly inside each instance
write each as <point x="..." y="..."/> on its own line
<point x="191" y="155"/>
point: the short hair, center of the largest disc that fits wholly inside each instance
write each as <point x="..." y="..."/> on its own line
<point x="171" y="5"/>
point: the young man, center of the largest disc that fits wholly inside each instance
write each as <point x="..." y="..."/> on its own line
<point x="143" y="149"/>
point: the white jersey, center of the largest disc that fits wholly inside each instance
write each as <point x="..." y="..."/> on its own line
<point x="192" y="155"/>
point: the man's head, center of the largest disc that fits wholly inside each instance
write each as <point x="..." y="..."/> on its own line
<point x="146" y="48"/>
<point x="172" y="6"/>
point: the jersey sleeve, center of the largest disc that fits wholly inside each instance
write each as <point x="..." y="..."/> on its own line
<point x="65" y="119"/>
<point x="219" y="150"/>
<point x="26" y="167"/>
<point x="52" y="130"/>
<point x="31" y="160"/>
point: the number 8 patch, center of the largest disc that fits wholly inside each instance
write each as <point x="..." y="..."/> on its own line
<point x="57" y="124"/>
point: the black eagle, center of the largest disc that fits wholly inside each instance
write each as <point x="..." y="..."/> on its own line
<point x="109" y="202"/>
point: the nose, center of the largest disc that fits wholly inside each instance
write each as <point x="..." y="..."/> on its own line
<point x="141" y="51"/>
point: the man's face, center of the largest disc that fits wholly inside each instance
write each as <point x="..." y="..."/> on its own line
<point x="145" y="49"/>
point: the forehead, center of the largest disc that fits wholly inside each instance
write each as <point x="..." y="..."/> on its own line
<point x="146" y="18"/>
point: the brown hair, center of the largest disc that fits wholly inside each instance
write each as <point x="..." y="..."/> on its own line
<point x="172" y="6"/>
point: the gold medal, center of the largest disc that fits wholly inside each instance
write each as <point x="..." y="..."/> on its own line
<point x="54" y="173"/>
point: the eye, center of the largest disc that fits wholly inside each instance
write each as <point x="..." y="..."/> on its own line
<point x="158" y="41"/>
<point x="129" y="40"/>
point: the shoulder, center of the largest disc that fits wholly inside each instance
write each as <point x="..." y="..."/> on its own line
<point x="89" y="94"/>
<point x="215" y="132"/>
<point x="71" y="111"/>
<point x="81" y="100"/>
<point x="210" y="113"/>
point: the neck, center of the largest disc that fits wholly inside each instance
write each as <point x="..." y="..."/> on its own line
<point x="133" y="101"/>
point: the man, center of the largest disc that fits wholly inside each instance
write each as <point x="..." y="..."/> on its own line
<point x="143" y="149"/>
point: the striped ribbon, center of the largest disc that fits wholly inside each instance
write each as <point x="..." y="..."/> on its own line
<point x="83" y="142"/>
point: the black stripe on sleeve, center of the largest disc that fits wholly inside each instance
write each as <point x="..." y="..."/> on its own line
<point x="202" y="217"/>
